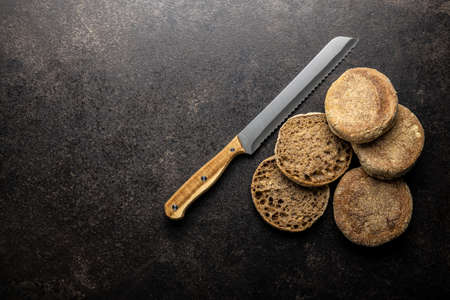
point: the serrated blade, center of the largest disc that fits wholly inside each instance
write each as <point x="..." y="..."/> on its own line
<point x="295" y="92"/>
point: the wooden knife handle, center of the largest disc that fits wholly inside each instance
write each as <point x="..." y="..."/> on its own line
<point x="202" y="180"/>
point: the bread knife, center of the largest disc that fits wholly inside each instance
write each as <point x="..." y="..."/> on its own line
<point x="252" y="136"/>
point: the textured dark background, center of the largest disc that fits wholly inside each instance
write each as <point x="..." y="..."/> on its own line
<point x="107" y="107"/>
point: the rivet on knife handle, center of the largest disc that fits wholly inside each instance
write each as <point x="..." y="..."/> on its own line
<point x="202" y="180"/>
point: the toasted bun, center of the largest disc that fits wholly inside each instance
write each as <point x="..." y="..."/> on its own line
<point x="308" y="153"/>
<point x="395" y="152"/>
<point x="371" y="212"/>
<point x="284" y="204"/>
<point x="361" y="105"/>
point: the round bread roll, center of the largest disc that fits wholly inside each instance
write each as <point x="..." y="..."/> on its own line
<point x="371" y="212"/>
<point x="308" y="153"/>
<point x="361" y="105"/>
<point x="394" y="153"/>
<point x="284" y="204"/>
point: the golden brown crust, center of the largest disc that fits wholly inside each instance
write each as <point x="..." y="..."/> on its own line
<point x="371" y="212"/>
<point x="361" y="105"/>
<point x="394" y="153"/>
<point x="308" y="153"/>
<point x="284" y="204"/>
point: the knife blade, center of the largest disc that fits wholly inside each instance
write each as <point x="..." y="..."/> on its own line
<point x="252" y="136"/>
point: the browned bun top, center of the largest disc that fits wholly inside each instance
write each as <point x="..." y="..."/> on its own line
<point x="308" y="153"/>
<point x="284" y="204"/>
<point x="371" y="212"/>
<point x="395" y="152"/>
<point x="361" y="105"/>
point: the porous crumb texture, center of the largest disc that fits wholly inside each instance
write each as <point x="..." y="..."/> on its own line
<point x="361" y="105"/>
<point x="309" y="153"/>
<point x="371" y="212"/>
<point x="284" y="204"/>
<point x="395" y="152"/>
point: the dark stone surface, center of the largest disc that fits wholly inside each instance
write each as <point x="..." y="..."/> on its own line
<point x="107" y="107"/>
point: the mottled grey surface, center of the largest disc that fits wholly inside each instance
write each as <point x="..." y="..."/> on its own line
<point x="107" y="107"/>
